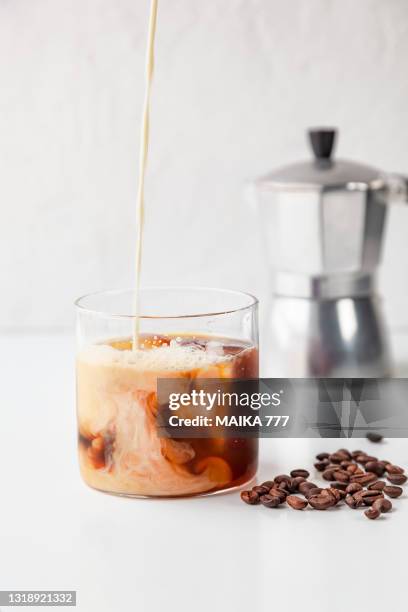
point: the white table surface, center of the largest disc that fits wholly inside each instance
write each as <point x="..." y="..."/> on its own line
<point x="175" y="555"/>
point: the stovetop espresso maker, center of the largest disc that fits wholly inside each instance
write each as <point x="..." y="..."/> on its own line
<point x="323" y="222"/>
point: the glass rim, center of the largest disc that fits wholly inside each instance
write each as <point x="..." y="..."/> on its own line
<point x="110" y="292"/>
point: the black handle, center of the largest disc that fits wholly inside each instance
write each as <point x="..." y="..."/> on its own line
<point x="322" y="141"/>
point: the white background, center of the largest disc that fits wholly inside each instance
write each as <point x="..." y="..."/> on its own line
<point x="237" y="83"/>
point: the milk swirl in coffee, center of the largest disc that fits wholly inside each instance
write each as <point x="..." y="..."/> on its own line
<point x="119" y="445"/>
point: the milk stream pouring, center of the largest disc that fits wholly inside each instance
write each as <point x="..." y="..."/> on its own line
<point x="144" y="149"/>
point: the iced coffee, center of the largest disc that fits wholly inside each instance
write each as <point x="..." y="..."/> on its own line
<point x="121" y="449"/>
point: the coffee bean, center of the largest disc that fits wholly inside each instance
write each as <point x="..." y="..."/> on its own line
<point x="362" y="493"/>
<point x="282" y="478"/>
<point x="369" y="501"/>
<point x="299" y="472"/>
<point x="367" y="497"/>
<point x="341" y="476"/>
<point x="374" y="437"/>
<point x="321" y="465"/>
<point x="261" y="490"/>
<point x="363" y="479"/>
<point x="353" y="502"/>
<point x="356" y="453"/>
<point x="295" y="482"/>
<point x="329" y="492"/>
<point x="284" y="485"/>
<point x="377" y="486"/>
<point x="295" y="502"/>
<point x="291" y="487"/>
<point x="346" y="464"/>
<point x="366" y="459"/>
<point x="392" y="491"/>
<point x="352" y="468"/>
<point x="382" y="505"/>
<point x="298" y="480"/>
<point x="270" y="501"/>
<point x="366" y="493"/>
<point x="250" y="497"/>
<point x="393" y="469"/>
<point x="341" y="486"/>
<point x="345" y="452"/>
<point x="375" y="467"/>
<point x="322" y="456"/>
<point x="321" y="502"/>
<point x="337" y="457"/>
<point x="334" y="493"/>
<point x="280" y="493"/>
<point x="361" y="458"/>
<point x="305" y="486"/>
<point x="313" y="492"/>
<point x="353" y="487"/>
<point x="268" y="484"/>
<point x="328" y="474"/>
<point x="372" y="513"/>
<point x="397" y="479"/>
<point x="358" y="499"/>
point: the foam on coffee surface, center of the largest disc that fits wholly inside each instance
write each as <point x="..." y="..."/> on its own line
<point x="173" y="357"/>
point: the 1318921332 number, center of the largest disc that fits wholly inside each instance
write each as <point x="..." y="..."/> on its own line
<point x="38" y="598"/>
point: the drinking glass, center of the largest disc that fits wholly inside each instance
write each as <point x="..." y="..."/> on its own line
<point x="182" y="333"/>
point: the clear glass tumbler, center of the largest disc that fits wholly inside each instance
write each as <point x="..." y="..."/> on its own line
<point x="183" y="333"/>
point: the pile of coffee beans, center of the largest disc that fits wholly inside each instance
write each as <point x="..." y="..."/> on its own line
<point x="355" y="478"/>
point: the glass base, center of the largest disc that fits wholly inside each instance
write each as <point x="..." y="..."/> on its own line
<point x="212" y="492"/>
